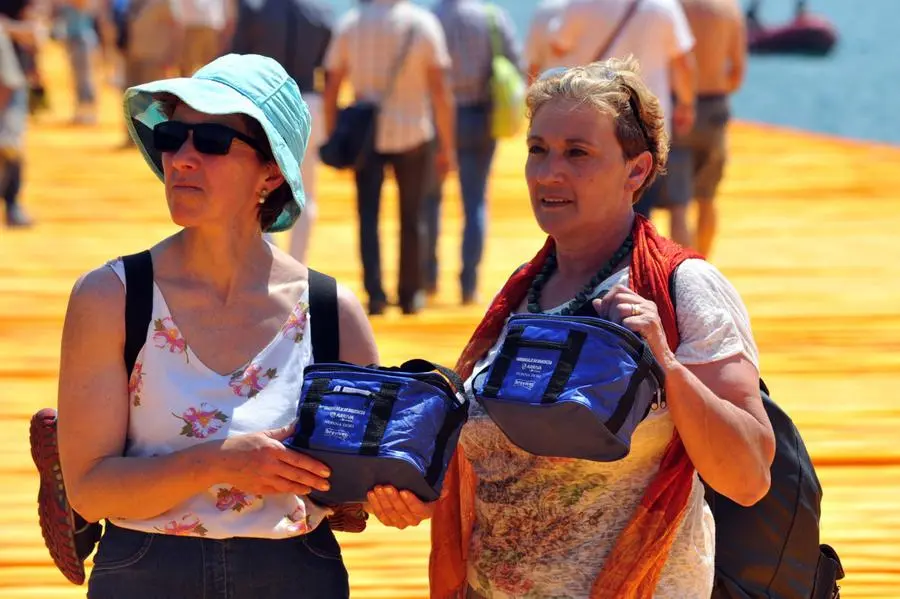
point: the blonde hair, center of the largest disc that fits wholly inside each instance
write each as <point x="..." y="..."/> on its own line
<point x="614" y="87"/>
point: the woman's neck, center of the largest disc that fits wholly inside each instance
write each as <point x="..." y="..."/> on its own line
<point x="580" y="258"/>
<point x="228" y="262"/>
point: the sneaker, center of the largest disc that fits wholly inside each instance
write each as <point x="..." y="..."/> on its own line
<point x="85" y="114"/>
<point x="68" y="536"/>
<point x="469" y="298"/>
<point x="413" y="305"/>
<point x="16" y="218"/>
<point x="377" y="306"/>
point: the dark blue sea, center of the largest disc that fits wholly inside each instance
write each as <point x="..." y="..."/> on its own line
<point x="854" y="92"/>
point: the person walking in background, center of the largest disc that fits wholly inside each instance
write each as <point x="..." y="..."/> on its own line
<point x="22" y="21"/>
<point x="154" y="33"/>
<point x="297" y="34"/>
<point x="77" y="19"/>
<point x="208" y="28"/>
<point x="395" y="56"/>
<point x="701" y="154"/>
<point x="658" y="35"/>
<point x="474" y="31"/>
<point x="13" y="120"/>
<point x="539" y="55"/>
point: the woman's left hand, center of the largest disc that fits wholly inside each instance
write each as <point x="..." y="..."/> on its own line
<point x="397" y="508"/>
<point x="625" y="307"/>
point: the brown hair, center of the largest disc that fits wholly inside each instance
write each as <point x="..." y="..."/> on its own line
<point x="269" y="210"/>
<point x="614" y="88"/>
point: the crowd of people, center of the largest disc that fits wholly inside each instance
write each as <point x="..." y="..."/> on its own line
<point x="182" y="453"/>
<point x="429" y="73"/>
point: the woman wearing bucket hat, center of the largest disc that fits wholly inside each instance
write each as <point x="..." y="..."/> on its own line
<point x="184" y="458"/>
<point x="515" y="524"/>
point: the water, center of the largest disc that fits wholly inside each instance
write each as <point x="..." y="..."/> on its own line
<point x="837" y="94"/>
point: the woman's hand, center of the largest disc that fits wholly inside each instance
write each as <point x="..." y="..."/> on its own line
<point x="398" y="508"/>
<point x="625" y="307"/>
<point x="259" y="463"/>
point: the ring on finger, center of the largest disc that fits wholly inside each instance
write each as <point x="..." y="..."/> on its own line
<point x="635" y="309"/>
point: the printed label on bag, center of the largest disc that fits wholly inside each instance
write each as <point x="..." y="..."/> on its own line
<point x="530" y="371"/>
<point x="340" y="422"/>
<point x="342" y="425"/>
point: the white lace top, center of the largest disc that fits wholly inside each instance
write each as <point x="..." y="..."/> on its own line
<point x="176" y="401"/>
<point x="544" y="526"/>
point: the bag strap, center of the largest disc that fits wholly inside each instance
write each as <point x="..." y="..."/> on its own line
<point x="138" y="304"/>
<point x="139" y="310"/>
<point x="452" y="422"/>
<point x="290" y="37"/>
<point x="630" y="12"/>
<point x="398" y="64"/>
<point x="763" y="388"/>
<point x="422" y="365"/>
<point x="709" y="493"/>
<point x="306" y="419"/>
<point x="643" y="370"/>
<point x="323" y="306"/>
<point x="382" y="408"/>
<point x="496" y="42"/>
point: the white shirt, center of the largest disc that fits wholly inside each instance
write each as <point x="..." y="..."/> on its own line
<point x="537" y="44"/>
<point x="204" y="13"/>
<point x="175" y="401"/>
<point x="656" y="34"/>
<point x="367" y="42"/>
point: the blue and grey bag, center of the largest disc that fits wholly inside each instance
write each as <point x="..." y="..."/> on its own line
<point x="570" y="386"/>
<point x="377" y="425"/>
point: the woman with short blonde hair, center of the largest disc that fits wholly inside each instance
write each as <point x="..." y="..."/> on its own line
<point x="515" y="524"/>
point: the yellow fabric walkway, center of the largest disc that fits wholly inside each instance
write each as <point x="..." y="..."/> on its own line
<point x="807" y="236"/>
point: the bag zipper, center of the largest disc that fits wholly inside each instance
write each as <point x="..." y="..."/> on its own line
<point x="429" y="378"/>
<point x="632" y="338"/>
<point x="635" y="342"/>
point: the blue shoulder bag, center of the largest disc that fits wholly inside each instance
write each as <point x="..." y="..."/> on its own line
<point x="375" y="425"/>
<point x="570" y="386"/>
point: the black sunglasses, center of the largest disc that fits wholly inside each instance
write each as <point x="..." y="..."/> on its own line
<point x="208" y="138"/>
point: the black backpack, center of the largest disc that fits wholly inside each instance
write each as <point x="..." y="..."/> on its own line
<point x="771" y="550"/>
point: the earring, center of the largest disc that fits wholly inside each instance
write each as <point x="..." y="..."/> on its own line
<point x="263" y="194"/>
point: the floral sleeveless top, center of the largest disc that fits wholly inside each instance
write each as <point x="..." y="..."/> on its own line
<point x="176" y="401"/>
<point x="544" y="526"/>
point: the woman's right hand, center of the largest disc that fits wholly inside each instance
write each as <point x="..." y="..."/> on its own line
<point x="259" y="463"/>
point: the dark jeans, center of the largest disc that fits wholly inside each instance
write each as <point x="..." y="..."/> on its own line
<point x="413" y="172"/>
<point x="10" y="181"/>
<point x="474" y="155"/>
<point x="138" y="565"/>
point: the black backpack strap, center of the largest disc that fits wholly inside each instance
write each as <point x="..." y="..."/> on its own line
<point x="138" y="304"/>
<point x="323" y="305"/>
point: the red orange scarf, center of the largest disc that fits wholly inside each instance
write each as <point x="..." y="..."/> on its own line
<point x="633" y="566"/>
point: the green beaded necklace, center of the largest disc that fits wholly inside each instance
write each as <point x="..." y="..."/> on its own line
<point x="582" y="297"/>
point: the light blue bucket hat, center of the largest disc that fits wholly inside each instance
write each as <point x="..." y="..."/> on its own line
<point x="249" y="84"/>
